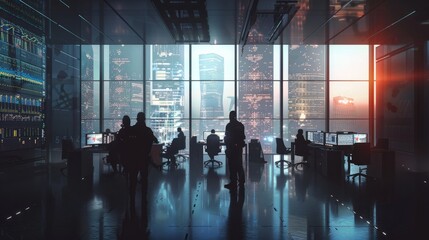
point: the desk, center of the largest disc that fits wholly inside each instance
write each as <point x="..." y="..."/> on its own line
<point x="155" y="154"/>
<point x="327" y="161"/>
<point x="382" y="165"/>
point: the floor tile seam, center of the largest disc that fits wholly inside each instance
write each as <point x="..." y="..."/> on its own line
<point x="371" y="224"/>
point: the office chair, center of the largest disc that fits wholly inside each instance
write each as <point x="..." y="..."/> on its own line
<point x="171" y="152"/>
<point x="282" y="150"/>
<point x="181" y="156"/>
<point x="361" y="155"/>
<point x="213" y="149"/>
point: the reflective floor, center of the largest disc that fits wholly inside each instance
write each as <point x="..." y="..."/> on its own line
<point x="40" y="201"/>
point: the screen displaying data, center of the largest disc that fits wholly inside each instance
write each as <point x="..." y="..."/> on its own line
<point x="330" y="139"/>
<point x="94" y="139"/>
<point x="345" y="139"/>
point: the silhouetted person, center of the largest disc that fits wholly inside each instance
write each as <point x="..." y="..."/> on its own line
<point x="213" y="140"/>
<point x="234" y="141"/>
<point x="141" y="140"/>
<point x="301" y="144"/>
<point x="123" y="138"/>
<point x="180" y="134"/>
<point x="177" y="144"/>
<point x="114" y="153"/>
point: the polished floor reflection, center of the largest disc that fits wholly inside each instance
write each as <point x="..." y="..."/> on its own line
<point x="39" y="201"/>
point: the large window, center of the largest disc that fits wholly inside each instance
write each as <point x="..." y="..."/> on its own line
<point x="304" y="88"/>
<point x="195" y="86"/>
<point x="348" y="95"/>
<point x="213" y="88"/>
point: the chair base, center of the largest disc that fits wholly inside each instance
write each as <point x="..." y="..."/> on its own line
<point x="353" y="176"/>
<point x="284" y="164"/>
<point x="213" y="162"/>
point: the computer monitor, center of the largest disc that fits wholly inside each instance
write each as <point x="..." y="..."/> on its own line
<point x="319" y="137"/>
<point x="330" y="138"/>
<point x="309" y="135"/>
<point x="360" y="138"/>
<point x="93" y="139"/>
<point x="345" y="139"/>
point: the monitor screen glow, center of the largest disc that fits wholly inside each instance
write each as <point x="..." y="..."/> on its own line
<point x="360" y="138"/>
<point x="331" y="138"/>
<point x="94" y="138"/>
<point x="319" y="138"/>
<point x="345" y="139"/>
<point x="309" y="135"/>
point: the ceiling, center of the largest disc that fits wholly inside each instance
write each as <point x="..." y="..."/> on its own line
<point x="223" y="21"/>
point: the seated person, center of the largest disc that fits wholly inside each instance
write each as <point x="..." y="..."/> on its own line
<point x="176" y="145"/>
<point x="213" y="144"/>
<point x="301" y="144"/>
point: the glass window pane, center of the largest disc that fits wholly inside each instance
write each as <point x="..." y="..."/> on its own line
<point x="167" y="62"/>
<point x="167" y="106"/>
<point x="213" y="62"/>
<point x="123" y="62"/>
<point x="349" y="100"/>
<point x="212" y="99"/>
<point x="348" y="62"/>
<point x="122" y="98"/>
<point x="306" y="62"/>
<point x="360" y="126"/>
<point x="90" y="62"/>
<point x="90" y="94"/>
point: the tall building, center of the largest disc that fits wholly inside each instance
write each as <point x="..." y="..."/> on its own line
<point x="211" y="68"/>
<point x="255" y="93"/>
<point x="306" y="88"/>
<point x="166" y="90"/>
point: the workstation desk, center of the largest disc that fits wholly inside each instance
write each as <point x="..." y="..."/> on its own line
<point x="330" y="162"/>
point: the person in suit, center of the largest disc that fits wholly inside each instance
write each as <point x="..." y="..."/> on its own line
<point x="123" y="139"/>
<point x="178" y="143"/>
<point x="141" y="140"/>
<point x="234" y="141"/>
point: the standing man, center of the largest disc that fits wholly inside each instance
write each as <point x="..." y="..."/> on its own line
<point x="234" y="140"/>
<point x="142" y="141"/>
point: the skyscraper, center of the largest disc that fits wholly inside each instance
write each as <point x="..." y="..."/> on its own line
<point x="306" y="87"/>
<point x="166" y="90"/>
<point x="212" y="76"/>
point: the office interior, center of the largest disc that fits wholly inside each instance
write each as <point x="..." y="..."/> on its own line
<point x="70" y="68"/>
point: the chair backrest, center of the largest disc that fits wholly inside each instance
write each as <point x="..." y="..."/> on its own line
<point x="280" y="146"/>
<point x="213" y="146"/>
<point x="182" y="143"/>
<point x="361" y="153"/>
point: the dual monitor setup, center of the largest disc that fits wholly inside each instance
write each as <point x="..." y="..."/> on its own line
<point x="336" y="138"/>
<point x="98" y="139"/>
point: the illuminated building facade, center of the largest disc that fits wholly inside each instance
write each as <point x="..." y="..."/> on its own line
<point x="166" y="90"/>
<point x="211" y="68"/>
<point x="306" y="87"/>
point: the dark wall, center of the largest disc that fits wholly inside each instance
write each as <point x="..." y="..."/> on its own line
<point x="401" y="85"/>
